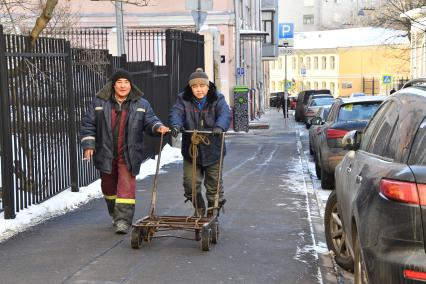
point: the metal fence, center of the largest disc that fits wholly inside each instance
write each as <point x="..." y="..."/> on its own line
<point x="45" y="91"/>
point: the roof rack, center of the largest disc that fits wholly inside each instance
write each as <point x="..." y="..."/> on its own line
<point x="418" y="81"/>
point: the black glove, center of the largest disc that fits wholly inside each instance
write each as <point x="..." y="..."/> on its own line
<point x="176" y="130"/>
<point x="217" y="131"/>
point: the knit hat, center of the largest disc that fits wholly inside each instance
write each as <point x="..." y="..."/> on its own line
<point x="198" y="77"/>
<point x="120" y="74"/>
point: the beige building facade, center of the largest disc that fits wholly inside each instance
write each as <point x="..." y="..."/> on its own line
<point x="342" y="62"/>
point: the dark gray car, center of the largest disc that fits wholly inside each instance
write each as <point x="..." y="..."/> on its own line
<point x="381" y="191"/>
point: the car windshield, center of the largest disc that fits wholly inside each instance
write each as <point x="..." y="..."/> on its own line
<point x="321" y="101"/>
<point x="357" y="111"/>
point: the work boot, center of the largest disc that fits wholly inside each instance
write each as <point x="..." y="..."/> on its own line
<point x="122" y="227"/>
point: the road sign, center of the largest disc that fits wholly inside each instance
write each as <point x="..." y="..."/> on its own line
<point x="286" y="31"/>
<point x="285" y="34"/>
<point x="285" y="50"/>
<point x="240" y="71"/>
<point x="303" y="71"/>
<point x="199" y="18"/>
<point x="289" y="85"/>
<point x="387" y="79"/>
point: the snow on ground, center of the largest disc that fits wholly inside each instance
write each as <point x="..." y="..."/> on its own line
<point x="67" y="201"/>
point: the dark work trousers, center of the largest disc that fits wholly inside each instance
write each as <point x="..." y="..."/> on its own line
<point x="210" y="176"/>
<point x="119" y="189"/>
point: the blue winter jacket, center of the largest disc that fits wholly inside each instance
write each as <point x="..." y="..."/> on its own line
<point x="215" y="113"/>
<point x="96" y="132"/>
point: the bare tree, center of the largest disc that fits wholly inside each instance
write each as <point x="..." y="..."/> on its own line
<point x="389" y="15"/>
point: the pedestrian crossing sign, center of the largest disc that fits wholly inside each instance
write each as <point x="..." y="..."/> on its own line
<point x="387" y="79"/>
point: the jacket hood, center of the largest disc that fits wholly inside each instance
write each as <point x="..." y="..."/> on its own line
<point x="106" y="92"/>
<point x="211" y="95"/>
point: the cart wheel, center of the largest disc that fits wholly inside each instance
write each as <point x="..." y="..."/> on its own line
<point x="146" y="234"/>
<point x="136" y="237"/>
<point x="215" y="232"/>
<point x="197" y="235"/>
<point x="206" y="236"/>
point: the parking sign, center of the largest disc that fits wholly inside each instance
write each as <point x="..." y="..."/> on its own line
<point x="285" y="34"/>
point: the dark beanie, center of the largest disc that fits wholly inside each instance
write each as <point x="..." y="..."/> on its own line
<point x="119" y="74"/>
<point x="198" y="77"/>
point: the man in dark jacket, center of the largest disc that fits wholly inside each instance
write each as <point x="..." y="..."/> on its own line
<point x="283" y="102"/>
<point x="112" y="132"/>
<point x="201" y="107"/>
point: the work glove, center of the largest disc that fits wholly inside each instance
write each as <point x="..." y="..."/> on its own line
<point x="176" y="130"/>
<point x="217" y="131"/>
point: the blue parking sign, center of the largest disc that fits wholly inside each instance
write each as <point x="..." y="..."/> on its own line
<point x="286" y="31"/>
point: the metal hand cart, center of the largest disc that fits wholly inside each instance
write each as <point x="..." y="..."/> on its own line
<point x="205" y="229"/>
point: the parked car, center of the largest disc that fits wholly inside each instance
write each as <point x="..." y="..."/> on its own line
<point x="381" y="192"/>
<point x="274" y="98"/>
<point x="345" y="114"/>
<point x="314" y="103"/>
<point x="293" y="102"/>
<point x="314" y="130"/>
<point x="302" y="99"/>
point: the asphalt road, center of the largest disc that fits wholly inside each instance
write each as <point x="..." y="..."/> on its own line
<point x="270" y="232"/>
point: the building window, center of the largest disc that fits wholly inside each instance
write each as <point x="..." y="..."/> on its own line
<point x="300" y="62"/>
<point x="280" y="63"/>
<point x="293" y="63"/>
<point x="273" y="86"/>
<point x="222" y="39"/>
<point x="280" y="86"/>
<point x="316" y="62"/>
<point x="308" y="85"/>
<point x="316" y="85"/>
<point x="308" y="19"/>
<point x="323" y="62"/>
<point x="308" y="63"/>
<point x="332" y="86"/>
<point x="332" y="62"/>
<point x="268" y="26"/>
<point x="324" y="85"/>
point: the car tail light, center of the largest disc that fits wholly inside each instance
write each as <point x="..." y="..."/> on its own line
<point x="335" y="133"/>
<point x="414" y="275"/>
<point x="407" y="192"/>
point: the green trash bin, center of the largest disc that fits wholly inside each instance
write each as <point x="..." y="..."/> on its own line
<point x="241" y="106"/>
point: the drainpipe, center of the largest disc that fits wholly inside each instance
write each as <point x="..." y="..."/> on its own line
<point x="237" y="39"/>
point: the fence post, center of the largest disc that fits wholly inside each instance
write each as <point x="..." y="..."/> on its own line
<point x="123" y="62"/>
<point x="6" y="135"/>
<point x="71" y="114"/>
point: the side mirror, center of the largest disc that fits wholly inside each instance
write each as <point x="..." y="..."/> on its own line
<point x="350" y="141"/>
<point x="316" y="121"/>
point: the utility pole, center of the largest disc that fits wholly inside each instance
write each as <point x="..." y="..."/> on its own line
<point x="285" y="84"/>
<point x="119" y="26"/>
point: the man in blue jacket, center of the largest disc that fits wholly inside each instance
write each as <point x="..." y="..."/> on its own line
<point x="112" y="133"/>
<point x="201" y="107"/>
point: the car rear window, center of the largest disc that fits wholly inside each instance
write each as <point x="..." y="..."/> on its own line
<point x="357" y="111"/>
<point x="418" y="151"/>
<point x="321" y="101"/>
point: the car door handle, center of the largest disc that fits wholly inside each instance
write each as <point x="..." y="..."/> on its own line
<point x="358" y="179"/>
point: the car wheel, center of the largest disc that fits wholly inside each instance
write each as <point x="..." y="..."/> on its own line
<point x="317" y="168"/>
<point x="360" y="273"/>
<point x="334" y="234"/>
<point x="327" y="180"/>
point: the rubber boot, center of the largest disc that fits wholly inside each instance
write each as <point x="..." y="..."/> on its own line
<point x="110" y="205"/>
<point x="123" y="217"/>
